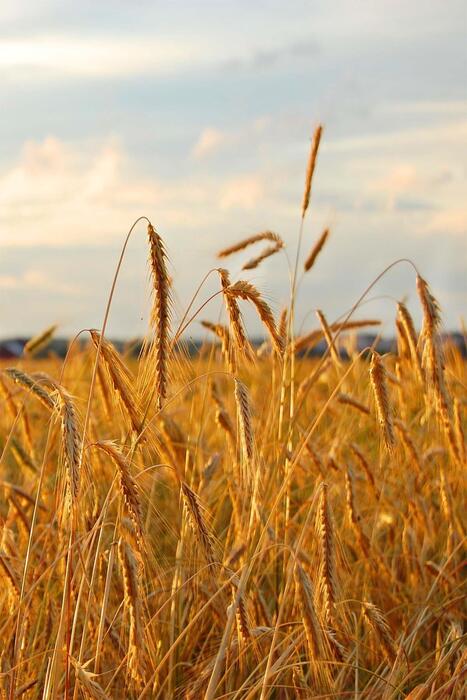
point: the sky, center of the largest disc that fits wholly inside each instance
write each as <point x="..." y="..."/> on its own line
<point x="199" y="114"/>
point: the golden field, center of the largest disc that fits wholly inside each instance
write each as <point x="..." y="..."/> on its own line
<point x="239" y="522"/>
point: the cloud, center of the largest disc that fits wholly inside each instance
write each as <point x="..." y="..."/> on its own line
<point x="208" y="142"/>
<point x="58" y="193"/>
<point x="34" y="280"/>
<point x="448" y="221"/>
<point x="243" y="192"/>
<point x="100" y="56"/>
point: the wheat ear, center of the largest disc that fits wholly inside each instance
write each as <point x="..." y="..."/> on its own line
<point x="266" y="253"/>
<point x="246" y="242"/>
<point x="316" y="250"/>
<point x="128" y="488"/>
<point x="160" y="313"/>
<point x="120" y="378"/>
<point x="133" y="603"/>
<point x="198" y="522"/>
<point x="328" y="578"/>
<point x="381" y="628"/>
<point x="311" y="168"/>
<point x="383" y="405"/>
<point x="247" y="291"/>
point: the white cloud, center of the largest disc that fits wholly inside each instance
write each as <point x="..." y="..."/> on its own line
<point x="100" y="56"/>
<point x="35" y="280"/>
<point x="56" y="193"/>
<point x="242" y="192"/>
<point x="448" y="221"/>
<point x="208" y="142"/>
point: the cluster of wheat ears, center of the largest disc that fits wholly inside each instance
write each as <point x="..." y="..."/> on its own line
<point x="242" y="523"/>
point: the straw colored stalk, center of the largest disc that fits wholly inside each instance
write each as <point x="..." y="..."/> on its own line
<point x="222" y="332"/>
<point x="328" y="335"/>
<point x="311" y="168"/>
<point x="160" y="312"/>
<point x="121" y="380"/>
<point x="316" y="250"/>
<point x="381" y="395"/>
<point x="310" y="339"/>
<point x="246" y="242"/>
<point x="245" y="290"/>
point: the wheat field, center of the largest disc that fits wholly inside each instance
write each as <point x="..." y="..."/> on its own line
<point x="241" y="522"/>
